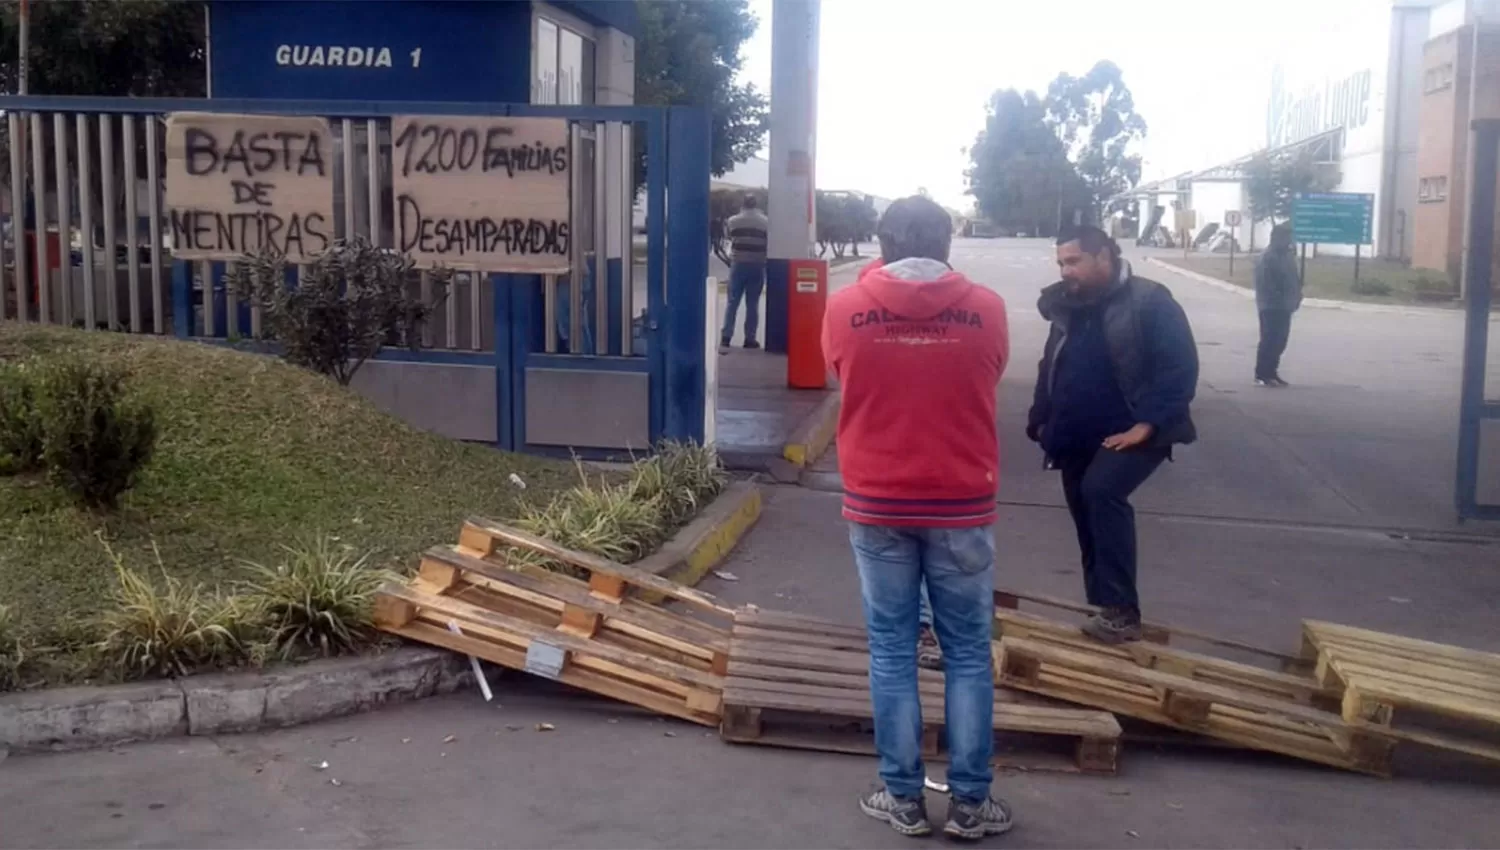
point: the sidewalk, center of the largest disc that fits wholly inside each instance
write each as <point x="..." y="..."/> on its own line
<point x="759" y="416"/>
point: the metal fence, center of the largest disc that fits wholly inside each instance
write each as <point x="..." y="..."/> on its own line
<point x="88" y="244"/>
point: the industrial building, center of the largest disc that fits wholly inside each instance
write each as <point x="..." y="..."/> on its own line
<point x="1387" y="111"/>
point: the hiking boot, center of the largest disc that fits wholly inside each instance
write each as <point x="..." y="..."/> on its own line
<point x="929" y="654"/>
<point x="973" y="821"/>
<point x="751" y="345"/>
<point x="1114" y="626"/>
<point x="908" y="817"/>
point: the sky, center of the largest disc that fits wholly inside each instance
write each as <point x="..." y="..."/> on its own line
<point x="903" y="83"/>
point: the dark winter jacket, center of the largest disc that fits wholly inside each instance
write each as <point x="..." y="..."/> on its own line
<point x="1150" y="351"/>
<point x="1278" y="286"/>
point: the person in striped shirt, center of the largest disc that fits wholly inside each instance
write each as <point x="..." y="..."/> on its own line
<point x="747" y="271"/>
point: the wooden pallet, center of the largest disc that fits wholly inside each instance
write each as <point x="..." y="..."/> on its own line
<point x="1107" y="678"/>
<point x="1374" y="674"/>
<point x="585" y="633"/>
<point x="1158" y="633"/>
<point x="1275" y="684"/>
<point x="800" y="682"/>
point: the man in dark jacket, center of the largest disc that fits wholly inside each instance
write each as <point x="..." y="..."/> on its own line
<point x="1113" y="390"/>
<point x="1278" y="294"/>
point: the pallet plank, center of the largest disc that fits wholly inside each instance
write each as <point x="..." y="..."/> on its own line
<point x="497" y="533"/>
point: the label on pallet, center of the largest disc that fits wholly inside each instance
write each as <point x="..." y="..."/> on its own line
<point x="544" y="659"/>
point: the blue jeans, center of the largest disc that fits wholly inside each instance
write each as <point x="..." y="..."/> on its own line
<point x="958" y="567"/>
<point x="746" y="281"/>
<point x="924" y="610"/>
<point x="1097" y="487"/>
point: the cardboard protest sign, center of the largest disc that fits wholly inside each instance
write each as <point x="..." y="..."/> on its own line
<point x="244" y="184"/>
<point x="491" y="194"/>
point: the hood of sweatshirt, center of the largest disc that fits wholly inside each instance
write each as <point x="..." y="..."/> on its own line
<point x="915" y="288"/>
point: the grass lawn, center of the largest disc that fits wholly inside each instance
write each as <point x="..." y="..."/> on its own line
<point x="252" y="453"/>
<point x="1326" y="277"/>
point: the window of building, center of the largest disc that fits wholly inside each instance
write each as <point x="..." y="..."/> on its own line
<point x="1437" y="78"/>
<point x="563" y="70"/>
<point x="1432" y="189"/>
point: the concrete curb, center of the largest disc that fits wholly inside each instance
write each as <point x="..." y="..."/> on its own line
<point x="705" y="542"/>
<point x="219" y="703"/>
<point x="1322" y="303"/>
<point x="813" y="434"/>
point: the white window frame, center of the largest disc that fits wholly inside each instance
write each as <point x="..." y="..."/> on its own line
<point x="562" y="21"/>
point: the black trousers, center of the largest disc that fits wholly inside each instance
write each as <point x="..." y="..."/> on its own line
<point x="1275" y="328"/>
<point x="1097" y="487"/>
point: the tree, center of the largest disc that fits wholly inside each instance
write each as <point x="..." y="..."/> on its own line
<point x="688" y="54"/>
<point x="1019" y="173"/>
<point x="1274" y="178"/>
<point x="1094" y="117"/>
<point x="141" y="48"/>
<point x="845" y="219"/>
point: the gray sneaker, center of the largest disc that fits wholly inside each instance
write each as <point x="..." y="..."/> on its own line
<point x="973" y="821"/>
<point x="929" y="654"/>
<point x="1114" y="626"/>
<point x="908" y="817"/>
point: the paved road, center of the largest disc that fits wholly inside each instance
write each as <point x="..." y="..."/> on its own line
<point x="1252" y="530"/>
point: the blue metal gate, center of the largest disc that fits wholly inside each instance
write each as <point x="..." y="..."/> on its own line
<point x="587" y="363"/>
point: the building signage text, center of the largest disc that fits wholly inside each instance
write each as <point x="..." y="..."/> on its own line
<point x="247" y="184"/>
<point x="1335" y="103"/>
<point x="340" y="56"/>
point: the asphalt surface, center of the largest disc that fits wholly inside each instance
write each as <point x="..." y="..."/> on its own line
<point x="1330" y="500"/>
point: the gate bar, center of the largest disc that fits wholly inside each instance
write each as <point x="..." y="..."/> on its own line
<point x="1478" y="279"/>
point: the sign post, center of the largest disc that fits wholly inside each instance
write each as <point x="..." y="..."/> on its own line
<point x="1232" y="220"/>
<point x="1333" y="218"/>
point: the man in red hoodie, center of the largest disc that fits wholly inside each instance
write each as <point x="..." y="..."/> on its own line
<point x="918" y="351"/>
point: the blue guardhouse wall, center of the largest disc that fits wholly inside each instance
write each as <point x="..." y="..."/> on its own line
<point x="428" y="50"/>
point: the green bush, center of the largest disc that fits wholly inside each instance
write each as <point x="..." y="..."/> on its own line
<point x="320" y="599"/>
<point x="684" y="476"/>
<point x="1371" y="286"/>
<point x="95" y="438"/>
<point x="173" y="629"/>
<point x="20" y="426"/>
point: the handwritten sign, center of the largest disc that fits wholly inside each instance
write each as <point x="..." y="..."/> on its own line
<point x="246" y="184"/>
<point x="490" y="194"/>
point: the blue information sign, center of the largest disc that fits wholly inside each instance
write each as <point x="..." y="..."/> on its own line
<point x="1333" y="218"/>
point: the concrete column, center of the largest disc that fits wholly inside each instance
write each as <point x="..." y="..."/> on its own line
<point x="794" y="134"/>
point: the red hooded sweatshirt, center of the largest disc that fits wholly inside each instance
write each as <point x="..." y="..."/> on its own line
<point x="918" y="350"/>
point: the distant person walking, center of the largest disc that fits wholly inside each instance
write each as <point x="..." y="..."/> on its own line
<point x="747" y="271"/>
<point x="1113" y="389"/>
<point x="1278" y="294"/>
<point x="918" y="350"/>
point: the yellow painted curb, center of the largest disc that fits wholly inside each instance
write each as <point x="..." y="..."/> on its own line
<point x="706" y="541"/>
<point x="812" y="436"/>
<point x="712" y="548"/>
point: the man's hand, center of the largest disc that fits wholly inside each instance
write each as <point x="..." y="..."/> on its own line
<point x="1130" y="439"/>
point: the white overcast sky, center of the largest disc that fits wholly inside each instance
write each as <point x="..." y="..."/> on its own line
<point x="903" y="83"/>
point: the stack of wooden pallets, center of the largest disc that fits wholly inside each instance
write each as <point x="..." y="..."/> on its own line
<point x="786" y="679"/>
<point x="1333" y="703"/>
<point x="796" y="681"/>
<point x="1380" y="679"/>
<point x="588" y="633"/>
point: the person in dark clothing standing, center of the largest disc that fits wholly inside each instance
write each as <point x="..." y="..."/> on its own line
<point x="1113" y="391"/>
<point x="1278" y="294"/>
